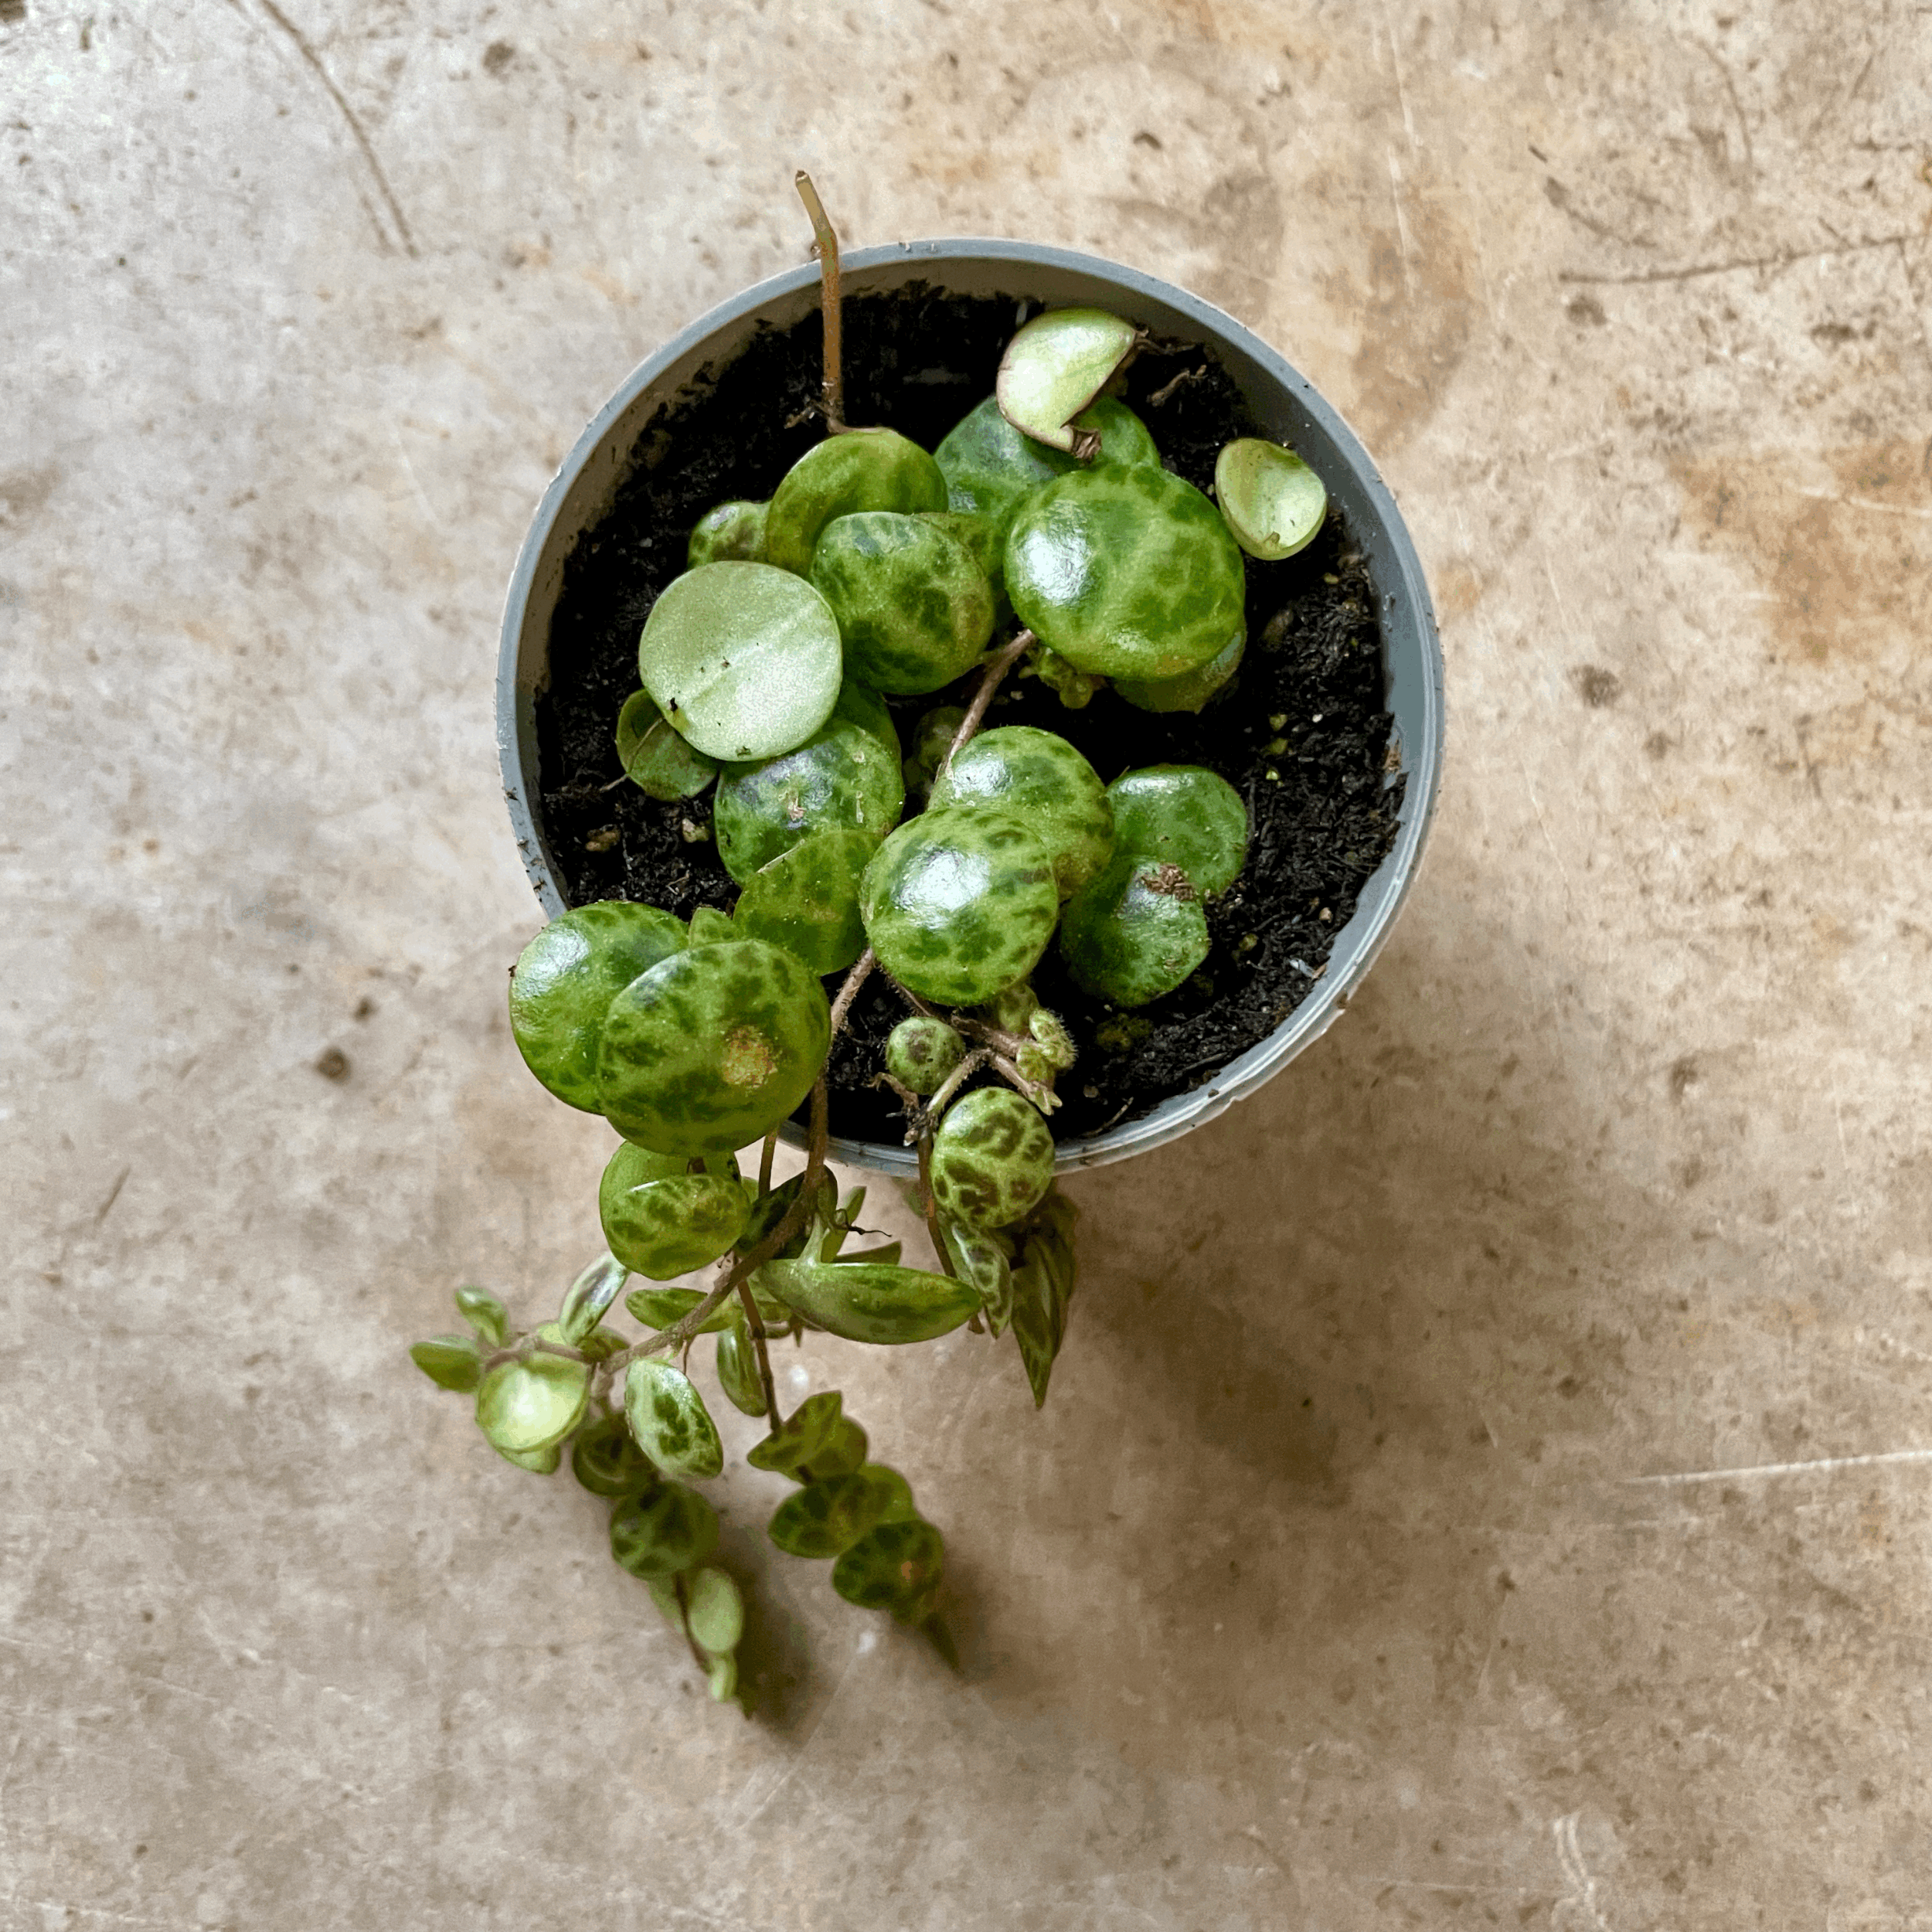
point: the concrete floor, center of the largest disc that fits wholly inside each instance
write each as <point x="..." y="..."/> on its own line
<point x="1488" y="1480"/>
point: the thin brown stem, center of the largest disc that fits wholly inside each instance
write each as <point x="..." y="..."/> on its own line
<point x="764" y="1161"/>
<point x="826" y="248"/>
<point x="997" y="667"/>
<point x="755" y="1323"/>
<point x="861" y="971"/>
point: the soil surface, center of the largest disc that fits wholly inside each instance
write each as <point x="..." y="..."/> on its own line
<point x="1322" y="807"/>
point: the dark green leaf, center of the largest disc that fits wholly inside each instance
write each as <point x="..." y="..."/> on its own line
<point x="845" y="1452"/>
<point x="806" y="899"/>
<point x="659" y="1308"/>
<point x="738" y="1366"/>
<point x="982" y="1260"/>
<point x="808" y="1429"/>
<point x="869" y="1301"/>
<point x="668" y="1417"/>
<point x="663" y="1531"/>
<point x="655" y="757"/>
<point x="565" y="980"/>
<point x="709" y="926"/>
<point x="992" y="1159"/>
<point x="450" y="1362"/>
<point x="608" y="1461"/>
<point x="713" y="1046"/>
<point x="485" y="1313"/>
<point x="894" y="1566"/>
<point x="1043" y="1284"/>
<point x="831" y="1513"/>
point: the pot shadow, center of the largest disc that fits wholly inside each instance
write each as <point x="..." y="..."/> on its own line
<point x="1312" y="1344"/>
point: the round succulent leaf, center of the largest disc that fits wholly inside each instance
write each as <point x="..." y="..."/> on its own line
<point x="810" y="1428"/>
<point x="990" y="468"/>
<point x="914" y="608"/>
<point x="863" y="469"/>
<point x="730" y="533"/>
<point x="656" y="758"/>
<point x="738" y="1367"/>
<point x="1126" y="572"/>
<point x="983" y="543"/>
<point x="659" y="1308"/>
<point x="895" y="1566"/>
<point x="846" y="1452"/>
<point x="845" y="777"/>
<point x="743" y="659"/>
<point x="668" y="1417"/>
<point x="1038" y="776"/>
<point x="541" y="1462"/>
<point x="1055" y="366"/>
<point x="662" y="1531"/>
<point x="959" y="903"/>
<point x="1185" y="814"/>
<point x="709" y="926"/>
<point x="1192" y="689"/>
<point x="1274" y="502"/>
<point x="666" y="1226"/>
<point x="450" y="1362"/>
<point x="992" y="1159"/>
<point x="528" y="1405"/>
<point x="921" y="1053"/>
<point x="872" y="1301"/>
<point x="831" y="1513"/>
<point x="1124" y="438"/>
<point x="485" y="1313"/>
<point x="807" y="899"/>
<point x="1136" y="932"/>
<point x="564" y="981"/>
<point x="712" y="1047"/>
<point x="607" y="1460"/>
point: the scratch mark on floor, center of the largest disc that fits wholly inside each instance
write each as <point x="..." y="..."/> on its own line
<point x="1785" y="258"/>
<point x="1582" y="1887"/>
<point x="1783" y="1468"/>
<point x="350" y="117"/>
<point x="113" y="1194"/>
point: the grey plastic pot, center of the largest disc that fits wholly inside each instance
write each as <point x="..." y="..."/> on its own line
<point x="1286" y="407"/>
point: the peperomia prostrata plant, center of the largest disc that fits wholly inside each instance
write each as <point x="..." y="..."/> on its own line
<point x="1041" y="537"/>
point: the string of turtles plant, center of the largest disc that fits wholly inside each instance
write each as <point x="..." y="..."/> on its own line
<point x="1043" y="533"/>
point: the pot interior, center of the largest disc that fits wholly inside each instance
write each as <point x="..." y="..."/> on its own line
<point x="1284" y="406"/>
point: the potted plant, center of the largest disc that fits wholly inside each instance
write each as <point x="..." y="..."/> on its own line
<point x="753" y="920"/>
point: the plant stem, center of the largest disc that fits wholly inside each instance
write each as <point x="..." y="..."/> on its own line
<point x="954" y="1081"/>
<point x="931" y="1205"/>
<point x="755" y="1322"/>
<point x="764" y="1161"/>
<point x="861" y="971"/>
<point x="996" y="668"/>
<point x="826" y="248"/>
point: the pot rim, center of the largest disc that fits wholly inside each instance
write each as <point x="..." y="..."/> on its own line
<point x="1359" y="940"/>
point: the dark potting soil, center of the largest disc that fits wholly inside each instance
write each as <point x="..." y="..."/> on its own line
<point x="1322" y="807"/>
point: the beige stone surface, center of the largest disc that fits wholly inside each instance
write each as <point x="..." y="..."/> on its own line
<point x="1487" y="1483"/>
